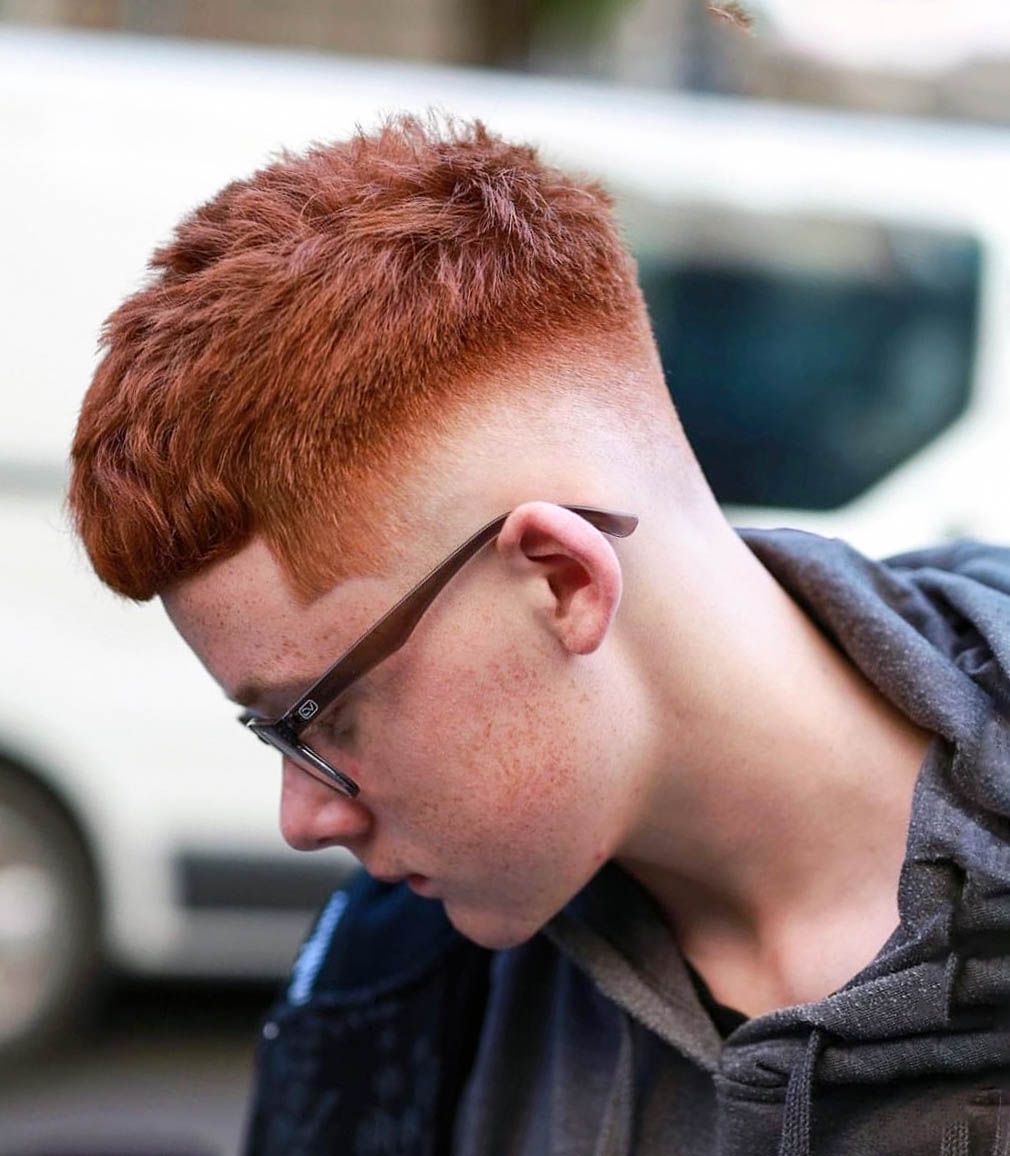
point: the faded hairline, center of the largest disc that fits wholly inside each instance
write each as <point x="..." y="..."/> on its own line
<point x="311" y="330"/>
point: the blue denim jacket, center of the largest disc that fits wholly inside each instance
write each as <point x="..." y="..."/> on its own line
<point x="367" y="1052"/>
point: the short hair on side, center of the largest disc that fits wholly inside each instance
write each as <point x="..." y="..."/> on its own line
<point x="303" y="328"/>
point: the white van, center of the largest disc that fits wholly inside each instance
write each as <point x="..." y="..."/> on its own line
<point x="830" y="294"/>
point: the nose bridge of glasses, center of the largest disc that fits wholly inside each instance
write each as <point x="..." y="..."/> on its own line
<point x="322" y="772"/>
<point x="284" y="740"/>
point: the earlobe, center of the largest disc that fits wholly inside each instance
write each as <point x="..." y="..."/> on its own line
<point x="577" y="565"/>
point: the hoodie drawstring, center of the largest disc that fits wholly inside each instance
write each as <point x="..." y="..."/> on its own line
<point x="798" y="1111"/>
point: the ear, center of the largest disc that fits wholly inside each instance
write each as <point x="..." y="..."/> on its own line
<point x="575" y="562"/>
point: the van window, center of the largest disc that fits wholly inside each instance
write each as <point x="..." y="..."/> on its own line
<point x="807" y="357"/>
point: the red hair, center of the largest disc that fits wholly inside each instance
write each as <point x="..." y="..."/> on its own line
<point x="302" y="330"/>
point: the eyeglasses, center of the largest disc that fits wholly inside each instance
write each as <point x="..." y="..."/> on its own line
<point x="378" y="643"/>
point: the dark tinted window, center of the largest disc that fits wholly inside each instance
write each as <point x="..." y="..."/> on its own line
<point x="809" y="358"/>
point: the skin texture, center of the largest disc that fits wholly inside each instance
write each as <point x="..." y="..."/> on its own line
<point x="568" y="700"/>
<point x="500" y="807"/>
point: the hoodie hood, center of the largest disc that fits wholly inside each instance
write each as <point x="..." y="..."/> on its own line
<point x="931" y="630"/>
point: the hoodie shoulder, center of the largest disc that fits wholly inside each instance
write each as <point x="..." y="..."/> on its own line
<point x="954" y="597"/>
<point x="983" y="562"/>
<point x="968" y="582"/>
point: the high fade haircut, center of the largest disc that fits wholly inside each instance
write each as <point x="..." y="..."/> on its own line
<point x="305" y="330"/>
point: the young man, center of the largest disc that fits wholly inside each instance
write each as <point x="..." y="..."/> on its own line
<point x="678" y="839"/>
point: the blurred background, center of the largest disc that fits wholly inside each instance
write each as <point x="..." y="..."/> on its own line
<point x="816" y="192"/>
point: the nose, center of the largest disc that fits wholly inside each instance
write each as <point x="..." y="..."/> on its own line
<point x="314" y="816"/>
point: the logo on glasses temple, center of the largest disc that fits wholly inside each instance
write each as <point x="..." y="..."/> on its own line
<point x="308" y="709"/>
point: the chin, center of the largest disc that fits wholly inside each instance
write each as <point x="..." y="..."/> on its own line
<point x="490" y="929"/>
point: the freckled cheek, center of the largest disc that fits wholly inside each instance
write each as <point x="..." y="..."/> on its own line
<point x="492" y="716"/>
<point x="495" y="791"/>
<point x="476" y="754"/>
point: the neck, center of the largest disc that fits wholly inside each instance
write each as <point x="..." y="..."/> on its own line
<point x="780" y="780"/>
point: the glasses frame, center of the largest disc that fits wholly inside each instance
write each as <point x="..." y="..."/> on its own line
<point x="381" y="640"/>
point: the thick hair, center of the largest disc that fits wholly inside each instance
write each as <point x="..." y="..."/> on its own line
<point x="305" y="327"/>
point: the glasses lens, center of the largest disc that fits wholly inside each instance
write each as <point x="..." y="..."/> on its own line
<point x="303" y="757"/>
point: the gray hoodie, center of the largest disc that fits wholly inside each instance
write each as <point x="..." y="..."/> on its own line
<point x="595" y="1042"/>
